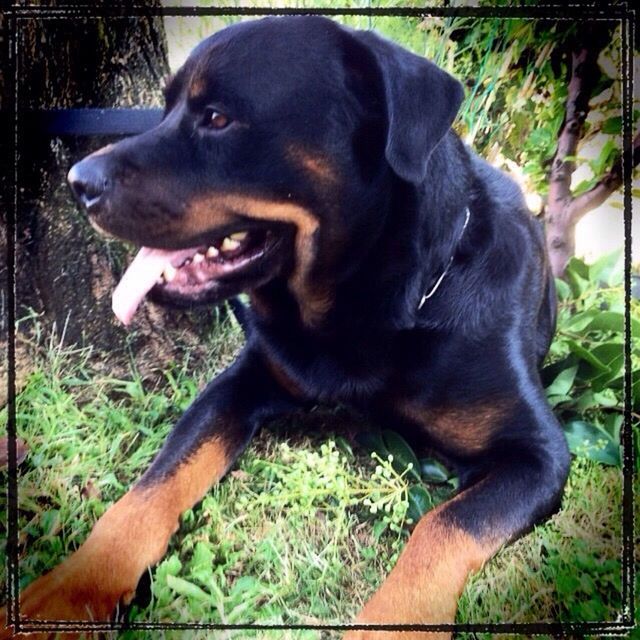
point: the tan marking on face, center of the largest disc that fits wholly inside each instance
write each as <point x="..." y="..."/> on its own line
<point x="467" y="430"/>
<point x="314" y="164"/>
<point x="425" y="584"/>
<point x="102" y="151"/>
<point x="197" y="87"/>
<point x="206" y="213"/>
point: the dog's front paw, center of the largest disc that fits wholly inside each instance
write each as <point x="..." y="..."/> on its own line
<point x="88" y="585"/>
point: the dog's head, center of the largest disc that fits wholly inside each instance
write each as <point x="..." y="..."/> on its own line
<point x="276" y="139"/>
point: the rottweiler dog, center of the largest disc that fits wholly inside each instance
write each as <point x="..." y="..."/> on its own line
<point x="388" y="269"/>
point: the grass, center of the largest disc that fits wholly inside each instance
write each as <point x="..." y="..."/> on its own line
<point x="304" y="528"/>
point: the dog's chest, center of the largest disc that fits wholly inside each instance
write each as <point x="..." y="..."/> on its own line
<point x="336" y="369"/>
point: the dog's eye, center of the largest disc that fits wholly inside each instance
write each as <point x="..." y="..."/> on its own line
<point x="215" y="119"/>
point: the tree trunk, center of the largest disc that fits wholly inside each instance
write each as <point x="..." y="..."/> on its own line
<point x="65" y="272"/>
<point x="560" y="225"/>
<point x="564" y="210"/>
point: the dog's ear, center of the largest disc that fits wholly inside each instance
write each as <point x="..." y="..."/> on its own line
<point x="421" y="101"/>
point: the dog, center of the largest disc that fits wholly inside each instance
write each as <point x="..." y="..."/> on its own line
<point x="388" y="269"/>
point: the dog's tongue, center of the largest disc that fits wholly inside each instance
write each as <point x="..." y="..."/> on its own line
<point x="140" y="277"/>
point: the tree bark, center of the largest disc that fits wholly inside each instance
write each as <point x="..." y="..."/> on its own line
<point x="563" y="211"/>
<point x="560" y="227"/>
<point x="65" y="272"/>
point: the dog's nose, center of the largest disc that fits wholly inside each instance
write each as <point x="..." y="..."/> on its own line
<point x="88" y="182"/>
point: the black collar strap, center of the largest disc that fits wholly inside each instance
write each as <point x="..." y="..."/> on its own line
<point x="426" y="296"/>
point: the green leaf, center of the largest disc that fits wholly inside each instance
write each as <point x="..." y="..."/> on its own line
<point x="551" y="371"/>
<point x="541" y="138"/>
<point x="186" y="588"/>
<point x="202" y="562"/>
<point x="607" y="321"/>
<point x="612" y="125"/>
<point x="577" y="275"/>
<point x="50" y="522"/>
<point x="586" y="355"/>
<point x="171" y="566"/>
<point x="613" y="425"/>
<point x="433" y="472"/>
<point x="578" y="267"/>
<point x="585" y="185"/>
<point x="379" y="527"/>
<point x="585" y="401"/>
<point x="372" y="442"/>
<point x="402" y="453"/>
<point x="563" y="290"/>
<point x="607" y="152"/>
<point x="554" y="401"/>
<point x="579" y="321"/>
<point x="563" y="382"/>
<point x="343" y="445"/>
<point x="588" y="441"/>
<point x="419" y="502"/>
<point x="608" y="268"/>
<point x="613" y="321"/>
<point x="615" y="362"/>
<point x="245" y="585"/>
<point x="609" y="352"/>
<point x="607" y="398"/>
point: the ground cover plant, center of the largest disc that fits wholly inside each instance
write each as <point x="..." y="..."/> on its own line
<point x="314" y="514"/>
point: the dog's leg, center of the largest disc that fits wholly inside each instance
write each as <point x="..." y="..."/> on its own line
<point x="517" y="486"/>
<point x="133" y="534"/>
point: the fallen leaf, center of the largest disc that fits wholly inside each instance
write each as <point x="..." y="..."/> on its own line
<point x="90" y="491"/>
<point x="21" y="451"/>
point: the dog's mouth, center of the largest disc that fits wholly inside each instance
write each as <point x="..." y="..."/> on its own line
<point x="225" y="266"/>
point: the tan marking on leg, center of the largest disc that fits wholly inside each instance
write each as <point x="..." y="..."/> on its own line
<point x="162" y="503"/>
<point x="206" y="213"/>
<point x="467" y="430"/>
<point x="130" y="537"/>
<point x="426" y="582"/>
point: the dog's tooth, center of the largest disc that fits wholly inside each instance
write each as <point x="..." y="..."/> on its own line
<point x="229" y="245"/>
<point x="169" y="272"/>
<point x="239" y="236"/>
<point x="198" y="258"/>
<point x="212" y="252"/>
